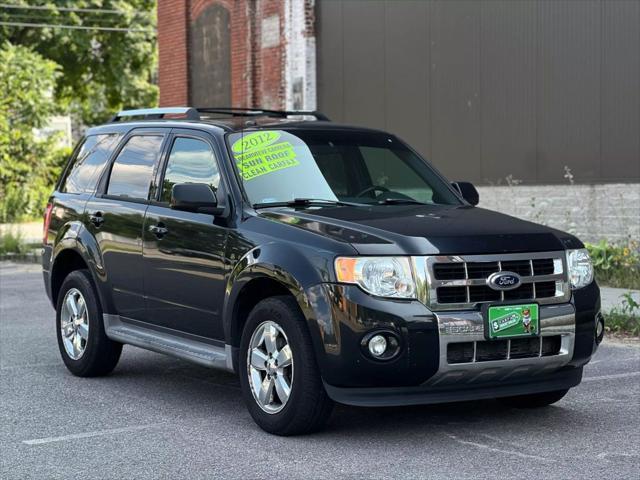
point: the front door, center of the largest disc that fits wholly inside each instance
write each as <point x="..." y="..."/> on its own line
<point x="183" y="252"/>
<point x="116" y="216"/>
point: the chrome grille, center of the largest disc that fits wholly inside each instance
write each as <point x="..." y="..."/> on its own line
<point x="467" y="357"/>
<point x="487" y="351"/>
<point x="460" y="282"/>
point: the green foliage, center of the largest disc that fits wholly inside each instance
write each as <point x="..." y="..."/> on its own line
<point x="616" y="265"/>
<point x="626" y="318"/>
<point x="28" y="166"/>
<point x="46" y="71"/>
<point x="101" y="71"/>
<point x="12" y="243"/>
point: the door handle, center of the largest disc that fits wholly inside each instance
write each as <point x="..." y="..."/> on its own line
<point x="97" y="219"/>
<point x="159" y="230"/>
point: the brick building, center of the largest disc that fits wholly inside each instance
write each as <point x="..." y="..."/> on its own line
<point x="536" y="102"/>
<point x="237" y="53"/>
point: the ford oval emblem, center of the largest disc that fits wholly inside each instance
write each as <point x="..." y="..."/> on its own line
<point x="504" y="280"/>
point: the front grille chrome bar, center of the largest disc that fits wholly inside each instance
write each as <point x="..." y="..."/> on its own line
<point x="428" y="285"/>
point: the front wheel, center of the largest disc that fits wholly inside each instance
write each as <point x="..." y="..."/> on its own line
<point x="534" y="400"/>
<point x="279" y="376"/>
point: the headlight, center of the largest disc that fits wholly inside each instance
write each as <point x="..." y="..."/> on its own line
<point x="580" y="268"/>
<point x="381" y="276"/>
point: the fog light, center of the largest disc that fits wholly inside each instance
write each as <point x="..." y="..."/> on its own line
<point x="599" y="328"/>
<point x="377" y="345"/>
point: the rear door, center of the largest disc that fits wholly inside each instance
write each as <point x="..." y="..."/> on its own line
<point x="116" y="217"/>
<point x="184" y="252"/>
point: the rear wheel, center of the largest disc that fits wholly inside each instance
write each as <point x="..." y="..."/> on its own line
<point x="534" y="400"/>
<point x="85" y="348"/>
<point x="279" y="376"/>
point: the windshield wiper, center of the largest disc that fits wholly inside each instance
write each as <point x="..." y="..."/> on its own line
<point x="399" y="201"/>
<point x="304" y="202"/>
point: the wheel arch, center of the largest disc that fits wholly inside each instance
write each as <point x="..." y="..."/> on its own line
<point x="67" y="261"/>
<point x="264" y="272"/>
<point x="253" y="291"/>
<point x="76" y="248"/>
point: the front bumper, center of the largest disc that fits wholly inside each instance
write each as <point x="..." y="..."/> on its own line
<point x="423" y="395"/>
<point x="421" y="372"/>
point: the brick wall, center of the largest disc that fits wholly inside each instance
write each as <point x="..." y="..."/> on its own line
<point x="591" y="212"/>
<point x="264" y="65"/>
<point x="240" y="13"/>
<point x="172" y="52"/>
<point x="269" y="49"/>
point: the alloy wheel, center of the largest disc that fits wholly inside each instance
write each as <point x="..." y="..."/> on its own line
<point x="270" y="367"/>
<point x="74" y="324"/>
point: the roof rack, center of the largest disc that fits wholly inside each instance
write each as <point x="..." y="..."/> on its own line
<point x="254" y="112"/>
<point x="191" y="113"/>
<point x="156" y="113"/>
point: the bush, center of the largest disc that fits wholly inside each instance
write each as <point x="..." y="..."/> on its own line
<point x="616" y="265"/>
<point x="28" y="166"/>
<point x="12" y="243"/>
<point x="626" y="318"/>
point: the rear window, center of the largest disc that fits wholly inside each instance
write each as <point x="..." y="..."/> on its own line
<point x="88" y="163"/>
<point x="132" y="171"/>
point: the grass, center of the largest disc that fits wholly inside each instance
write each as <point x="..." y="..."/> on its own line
<point x="621" y="324"/>
<point x="12" y="243"/>
<point x="624" y="319"/>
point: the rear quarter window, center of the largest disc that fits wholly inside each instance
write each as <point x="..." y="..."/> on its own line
<point x="88" y="163"/>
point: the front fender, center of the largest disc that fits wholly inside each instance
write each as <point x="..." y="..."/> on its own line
<point x="296" y="270"/>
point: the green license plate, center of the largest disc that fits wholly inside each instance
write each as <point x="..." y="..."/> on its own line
<point x="506" y="321"/>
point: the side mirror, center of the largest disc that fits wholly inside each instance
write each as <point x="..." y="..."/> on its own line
<point x="468" y="192"/>
<point x="195" y="197"/>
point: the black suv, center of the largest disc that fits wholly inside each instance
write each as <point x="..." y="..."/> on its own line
<point x="320" y="262"/>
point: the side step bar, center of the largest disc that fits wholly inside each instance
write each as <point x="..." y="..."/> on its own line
<point x="191" y="350"/>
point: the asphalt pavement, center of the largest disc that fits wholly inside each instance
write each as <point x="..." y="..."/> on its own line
<point x="158" y="417"/>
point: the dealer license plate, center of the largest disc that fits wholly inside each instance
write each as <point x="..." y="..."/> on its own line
<point x="506" y="321"/>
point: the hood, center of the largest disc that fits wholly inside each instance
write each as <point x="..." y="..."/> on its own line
<point x="425" y="229"/>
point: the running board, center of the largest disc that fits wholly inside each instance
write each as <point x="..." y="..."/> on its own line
<point x="187" y="349"/>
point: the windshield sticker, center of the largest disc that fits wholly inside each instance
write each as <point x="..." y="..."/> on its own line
<point x="253" y="141"/>
<point x="257" y="154"/>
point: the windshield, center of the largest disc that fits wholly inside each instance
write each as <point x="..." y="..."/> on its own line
<point x="358" y="167"/>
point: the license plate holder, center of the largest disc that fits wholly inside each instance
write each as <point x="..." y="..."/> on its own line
<point x="511" y="321"/>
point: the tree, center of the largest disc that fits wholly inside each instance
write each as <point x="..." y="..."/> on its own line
<point x="101" y="70"/>
<point x="28" y="166"/>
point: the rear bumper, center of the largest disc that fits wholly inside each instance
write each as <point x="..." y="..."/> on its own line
<point x="46" y="271"/>
<point x="423" y="395"/>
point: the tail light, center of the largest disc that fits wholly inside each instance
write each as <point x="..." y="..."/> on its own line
<point x="47" y="222"/>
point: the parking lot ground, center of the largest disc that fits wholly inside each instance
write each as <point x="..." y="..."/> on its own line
<point x="157" y="417"/>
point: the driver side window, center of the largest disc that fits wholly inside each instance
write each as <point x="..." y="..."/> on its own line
<point x="190" y="161"/>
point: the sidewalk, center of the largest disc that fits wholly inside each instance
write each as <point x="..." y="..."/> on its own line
<point x="612" y="297"/>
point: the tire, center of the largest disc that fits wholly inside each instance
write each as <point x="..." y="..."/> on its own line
<point x="535" y="400"/>
<point x="95" y="355"/>
<point x="307" y="407"/>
